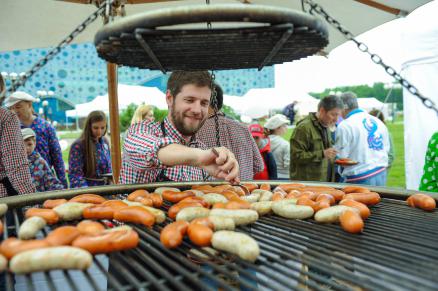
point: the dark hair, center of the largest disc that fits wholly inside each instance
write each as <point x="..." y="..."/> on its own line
<point x="88" y="143"/>
<point x="2" y="87"/>
<point x="179" y="79"/>
<point x="379" y="114"/>
<point x="350" y="100"/>
<point x="330" y="102"/>
<point x="219" y="96"/>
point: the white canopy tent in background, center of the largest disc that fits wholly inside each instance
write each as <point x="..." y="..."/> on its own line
<point x="128" y="94"/>
<point x="420" y="67"/>
<point x="257" y="103"/>
<point x="371" y="103"/>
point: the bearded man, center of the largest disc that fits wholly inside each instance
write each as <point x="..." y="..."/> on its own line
<point x="168" y="150"/>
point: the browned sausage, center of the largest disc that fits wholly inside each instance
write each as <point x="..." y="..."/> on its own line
<point x="145" y="201"/>
<point x="52" y="203"/>
<point x="174" y="209"/>
<point x="115" y="204"/>
<point x="370" y="198"/>
<point x="235" y="204"/>
<point x="363" y="209"/>
<point x="421" y="201"/>
<point x="196" y="199"/>
<point x="137" y="193"/>
<point x="99" y="212"/>
<point x="172" y="235"/>
<point x="89" y="227"/>
<point x="251" y="186"/>
<point x="12" y="246"/>
<point x="157" y="200"/>
<point x="107" y="242"/>
<point x="49" y="215"/>
<point x="266" y="187"/>
<point x="62" y="236"/>
<point x="200" y="234"/>
<point x="88" y="198"/>
<point x="135" y="214"/>
<point x="355" y="189"/>
<point x="176" y="197"/>
<point x="351" y="221"/>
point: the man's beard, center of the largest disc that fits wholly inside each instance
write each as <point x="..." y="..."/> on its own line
<point x="178" y="121"/>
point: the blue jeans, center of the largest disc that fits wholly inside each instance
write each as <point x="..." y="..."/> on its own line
<point x="377" y="180"/>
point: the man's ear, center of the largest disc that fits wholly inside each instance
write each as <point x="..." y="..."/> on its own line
<point x="169" y="98"/>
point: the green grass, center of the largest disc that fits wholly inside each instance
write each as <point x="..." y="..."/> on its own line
<point x="396" y="177"/>
<point x="69" y="134"/>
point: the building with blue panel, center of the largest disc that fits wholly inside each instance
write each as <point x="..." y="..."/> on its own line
<point x="78" y="75"/>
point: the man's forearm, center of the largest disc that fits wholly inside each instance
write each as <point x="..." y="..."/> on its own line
<point x="176" y="154"/>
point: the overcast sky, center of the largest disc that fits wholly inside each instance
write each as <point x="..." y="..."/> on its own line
<point x="345" y="65"/>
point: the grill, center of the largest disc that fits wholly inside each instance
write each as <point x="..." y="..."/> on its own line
<point x="397" y="251"/>
<point x="241" y="37"/>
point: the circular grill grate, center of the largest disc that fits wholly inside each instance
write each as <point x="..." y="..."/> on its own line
<point x="259" y="36"/>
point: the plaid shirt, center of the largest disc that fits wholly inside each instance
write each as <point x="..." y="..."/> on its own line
<point x="237" y="139"/>
<point x="140" y="154"/>
<point x="13" y="159"/>
<point x="47" y="145"/>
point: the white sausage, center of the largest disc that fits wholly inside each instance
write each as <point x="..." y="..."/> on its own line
<point x="160" y="190"/>
<point x="213" y="198"/>
<point x="71" y="210"/>
<point x="254" y="197"/>
<point x="262" y="207"/>
<point x="30" y="227"/>
<point x="240" y="216"/>
<point x="3" y="209"/>
<point x="190" y="213"/>
<point x="290" y="210"/>
<point x="332" y="214"/>
<point x="46" y="259"/>
<point x="236" y="243"/>
<point x="222" y="223"/>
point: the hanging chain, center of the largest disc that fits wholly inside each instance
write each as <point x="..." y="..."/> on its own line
<point x="41" y="63"/>
<point x="314" y="7"/>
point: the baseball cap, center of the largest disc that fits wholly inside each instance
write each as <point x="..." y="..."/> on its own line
<point x="256" y="130"/>
<point x="276" y="121"/>
<point x="18" y="96"/>
<point x="27" y="132"/>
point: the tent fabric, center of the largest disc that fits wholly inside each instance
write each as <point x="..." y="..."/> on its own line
<point x="127" y="95"/>
<point x="420" y="67"/>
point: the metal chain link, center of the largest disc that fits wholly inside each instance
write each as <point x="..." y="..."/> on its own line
<point x="314" y="7"/>
<point x="41" y="63"/>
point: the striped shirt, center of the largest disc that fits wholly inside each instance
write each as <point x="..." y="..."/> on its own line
<point x="237" y="139"/>
<point x="140" y="162"/>
<point x="13" y="158"/>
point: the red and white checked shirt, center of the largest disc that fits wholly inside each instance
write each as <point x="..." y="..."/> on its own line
<point x="13" y="158"/>
<point x="237" y="138"/>
<point x="140" y="162"/>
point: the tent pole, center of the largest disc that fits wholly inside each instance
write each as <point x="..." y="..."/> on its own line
<point x="114" y="120"/>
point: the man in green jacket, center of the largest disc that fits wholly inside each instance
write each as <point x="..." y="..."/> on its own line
<point x="311" y="151"/>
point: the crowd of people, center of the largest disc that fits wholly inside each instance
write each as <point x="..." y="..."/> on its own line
<point x="186" y="146"/>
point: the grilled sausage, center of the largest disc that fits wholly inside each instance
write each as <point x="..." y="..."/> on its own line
<point x="12" y="246"/>
<point x="160" y="216"/>
<point x="266" y="196"/>
<point x="30" y="227"/>
<point x="266" y="187"/>
<point x="47" y="259"/>
<point x="157" y="200"/>
<point x="251" y="186"/>
<point x="115" y="204"/>
<point x="364" y="211"/>
<point x="49" y="215"/>
<point x="351" y="221"/>
<point x="171" y="235"/>
<point x="355" y="189"/>
<point x="190" y="213"/>
<point x="370" y="198"/>
<point x="107" y="242"/>
<point x="222" y="223"/>
<point x="99" y="212"/>
<point x="332" y="214"/>
<point x="240" y="217"/>
<point x="52" y="203"/>
<point x="291" y="210"/>
<point x="71" y="210"/>
<point x="421" y="201"/>
<point x="174" y="209"/>
<point x="63" y="235"/>
<point x="262" y="207"/>
<point x="176" y="197"/>
<point x="136" y="194"/>
<point x="196" y="199"/>
<point x="89" y="227"/>
<point x="253" y="197"/>
<point x="3" y="209"/>
<point x="213" y="198"/>
<point x="237" y="205"/>
<point x="236" y="243"/>
<point x="200" y="234"/>
<point x="160" y="190"/>
<point x="327" y="197"/>
<point x="135" y="214"/>
<point x="1" y="227"/>
<point x="88" y="198"/>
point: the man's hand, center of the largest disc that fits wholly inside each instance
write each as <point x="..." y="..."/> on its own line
<point x="330" y="153"/>
<point x="220" y="163"/>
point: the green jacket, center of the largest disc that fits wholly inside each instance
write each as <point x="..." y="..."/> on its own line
<point x="307" y="144"/>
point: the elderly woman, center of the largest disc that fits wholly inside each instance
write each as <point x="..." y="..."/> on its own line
<point x="14" y="168"/>
<point x="276" y="127"/>
<point x="47" y="144"/>
<point x="90" y="156"/>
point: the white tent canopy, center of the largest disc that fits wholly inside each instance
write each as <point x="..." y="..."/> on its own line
<point x="371" y="103"/>
<point x="127" y="95"/>
<point x="257" y="103"/>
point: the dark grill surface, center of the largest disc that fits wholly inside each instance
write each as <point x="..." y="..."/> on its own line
<point x="397" y="251"/>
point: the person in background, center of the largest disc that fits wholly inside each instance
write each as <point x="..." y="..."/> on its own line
<point x="234" y="136"/>
<point x="15" y="177"/>
<point x="289" y="111"/>
<point x="269" y="171"/>
<point x="379" y="114"/>
<point x="429" y="181"/>
<point x="311" y="144"/>
<point x="276" y="128"/>
<point x="42" y="176"/>
<point x="90" y="156"/>
<point x="47" y="144"/>
<point x="143" y="112"/>
<point x="365" y="139"/>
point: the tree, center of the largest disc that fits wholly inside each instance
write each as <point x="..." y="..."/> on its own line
<point x="229" y="111"/>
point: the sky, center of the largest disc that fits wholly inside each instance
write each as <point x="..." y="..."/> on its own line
<point x="346" y="64"/>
